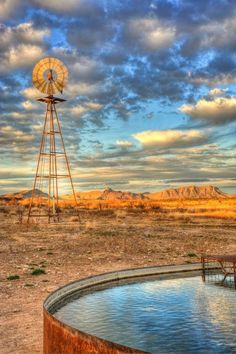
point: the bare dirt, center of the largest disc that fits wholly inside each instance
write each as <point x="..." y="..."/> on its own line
<point x="103" y="241"/>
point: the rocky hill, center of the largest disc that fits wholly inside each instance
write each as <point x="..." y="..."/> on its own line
<point x="110" y="194"/>
<point x="190" y="192"/>
<point x="25" y="194"/>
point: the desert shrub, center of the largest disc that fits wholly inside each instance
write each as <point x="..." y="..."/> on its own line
<point x="181" y="210"/>
<point x="191" y="254"/>
<point x="107" y="233"/>
<point x="38" y="271"/>
<point x="13" y="277"/>
<point x="4" y="209"/>
<point x="156" y="207"/>
<point x="140" y="206"/>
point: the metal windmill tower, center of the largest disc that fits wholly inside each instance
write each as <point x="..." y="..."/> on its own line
<point x="50" y="75"/>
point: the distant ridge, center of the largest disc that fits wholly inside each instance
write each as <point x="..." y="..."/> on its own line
<point x="190" y="192"/>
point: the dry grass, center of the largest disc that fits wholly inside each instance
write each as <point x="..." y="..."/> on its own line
<point x="215" y="208"/>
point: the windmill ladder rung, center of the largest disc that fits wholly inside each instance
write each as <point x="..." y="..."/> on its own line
<point x="52" y="176"/>
<point x="51" y="133"/>
<point x="53" y="153"/>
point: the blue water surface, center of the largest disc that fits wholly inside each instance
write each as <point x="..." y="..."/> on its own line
<point x="162" y="316"/>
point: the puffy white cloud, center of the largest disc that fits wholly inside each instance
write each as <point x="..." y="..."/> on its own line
<point x="20" y="56"/>
<point x="7" y="8"/>
<point x="56" y="5"/>
<point x="17" y="115"/>
<point x="94" y="106"/>
<point x="30" y="93"/>
<point x="84" y="66"/>
<point x="218" y="111"/>
<point x="217" y="92"/>
<point x="21" y="46"/>
<point x="10" y="134"/>
<point x="28" y="105"/>
<point x="78" y="110"/>
<point x="81" y="109"/>
<point x="171" y="138"/>
<point x="24" y="33"/>
<point x="82" y="89"/>
<point x="151" y="33"/>
<point x="124" y="143"/>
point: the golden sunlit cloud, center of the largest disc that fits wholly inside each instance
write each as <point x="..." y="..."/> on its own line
<point x="218" y="111"/>
<point x="20" y="56"/>
<point x="59" y="5"/>
<point x="171" y="138"/>
<point x="217" y="92"/>
<point x="30" y="93"/>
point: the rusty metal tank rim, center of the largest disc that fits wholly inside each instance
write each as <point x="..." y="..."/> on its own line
<point x="59" y="337"/>
<point x="109" y="279"/>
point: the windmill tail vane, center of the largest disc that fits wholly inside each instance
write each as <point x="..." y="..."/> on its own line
<point x="49" y="76"/>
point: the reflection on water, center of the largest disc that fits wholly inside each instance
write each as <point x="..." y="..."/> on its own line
<point x="168" y="316"/>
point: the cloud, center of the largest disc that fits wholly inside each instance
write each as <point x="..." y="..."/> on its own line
<point x="8" y="8"/>
<point x="11" y="135"/>
<point x="150" y="33"/>
<point x="218" y="34"/>
<point x="86" y="107"/>
<point x="87" y="69"/>
<point x="124" y="143"/>
<point x="217" y="92"/>
<point x="82" y="7"/>
<point x="24" y="33"/>
<point x="211" y="79"/>
<point x="171" y="138"/>
<point x="20" y="57"/>
<point x="59" y="5"/>
<point x="83" y="89"/>
<point x="21" y="46"/>
<point x="29" y="106"/>
<point x="30" y="93"/>
<point x="219" y="111"/>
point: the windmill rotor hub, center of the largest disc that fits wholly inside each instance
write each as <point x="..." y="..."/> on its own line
<point x="50" y="75"/>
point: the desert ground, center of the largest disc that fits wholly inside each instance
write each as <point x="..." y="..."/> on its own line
<point x="103" y="240"/>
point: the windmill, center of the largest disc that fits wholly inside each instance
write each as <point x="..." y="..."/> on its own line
<point x="50" y="76"/>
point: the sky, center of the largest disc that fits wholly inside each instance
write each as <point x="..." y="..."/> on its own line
<point x="151" y="98"/>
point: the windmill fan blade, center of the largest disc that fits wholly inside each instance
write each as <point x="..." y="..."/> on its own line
<point x="50" y="75"/>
